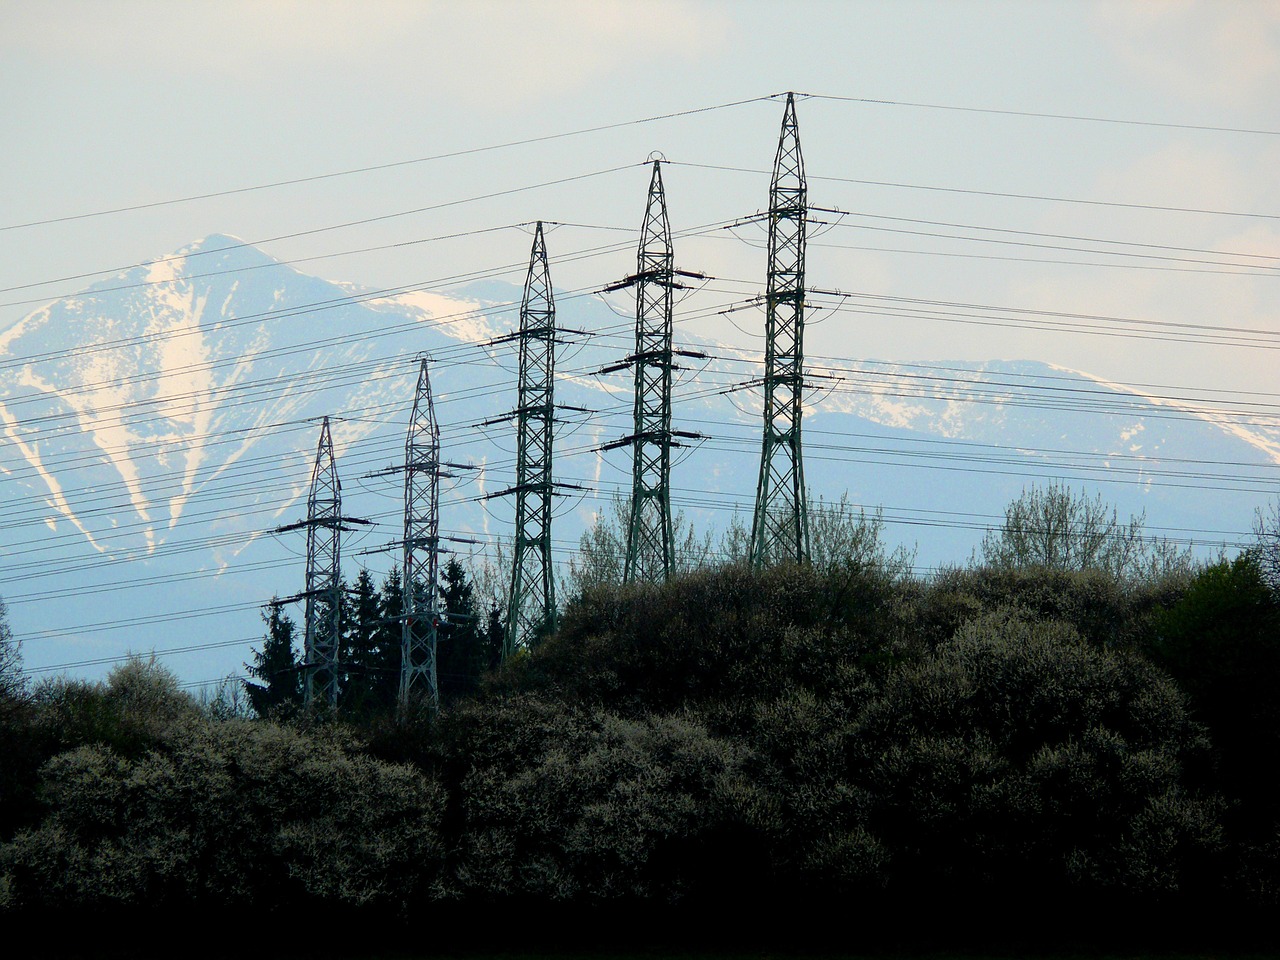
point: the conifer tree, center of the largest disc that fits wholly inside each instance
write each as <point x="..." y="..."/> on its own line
<point x="360" y="655"/>
<point x="462" y="657"/>
<point x="276" y="666"/>
<point x="388" y="651"/>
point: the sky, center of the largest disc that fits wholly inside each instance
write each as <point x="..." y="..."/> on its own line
<point x="125" y="103"/>
<point x="1117" y="163"/>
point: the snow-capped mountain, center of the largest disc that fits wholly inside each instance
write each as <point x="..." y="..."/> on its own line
<point x="160" y="425"/>
<point x="148" y="388"/>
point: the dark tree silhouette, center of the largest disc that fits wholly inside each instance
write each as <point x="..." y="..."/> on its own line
<point x="276" y="666"/>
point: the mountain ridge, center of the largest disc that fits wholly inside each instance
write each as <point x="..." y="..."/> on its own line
<point x="174" y="422"/>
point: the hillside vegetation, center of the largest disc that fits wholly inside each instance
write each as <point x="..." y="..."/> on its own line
<point x="802" y="739"/>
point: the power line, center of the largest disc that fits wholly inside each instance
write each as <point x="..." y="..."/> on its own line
<point x="989" y="193"/>
<point x="239" y="245"/>
<point x="1036" y="233"/>
<point x="1259" y="269"/>
<point x="470" y="151"/>
<point x="1075" y="390"/>
<point x="95" y="292"/>
<point x="1046" y="116"/>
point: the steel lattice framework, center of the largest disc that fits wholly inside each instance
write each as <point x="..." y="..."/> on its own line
<point x="323" y="590"/>
<point x="780" y="527"/>
<point x="531" y="604"/>
<point x="418" y="684"/>
<point x="650" y="557"/>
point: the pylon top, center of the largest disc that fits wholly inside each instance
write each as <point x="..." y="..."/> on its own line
<point x="324" y="461"/>
<point x="424" y="412"/>
<point x="655" y="235"/>
<point x="788" y="165"/>
<point x="538" y="301"/>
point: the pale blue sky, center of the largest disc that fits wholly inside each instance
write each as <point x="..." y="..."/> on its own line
<point x="109" y="104"/>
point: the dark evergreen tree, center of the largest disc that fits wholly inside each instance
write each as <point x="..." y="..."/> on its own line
<point x="359" y="653"/>
<point x="461" y="653"/>
<point x="387" y="653"/>
<point x="276" y="666"/>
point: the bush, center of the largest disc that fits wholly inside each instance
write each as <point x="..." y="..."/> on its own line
<point x="1103" y="610"/>
<point x="140" y="705"/>
<point x="1020" y="757"/>
<point x="720" y="637"/>
<point x="557" y="805"/>
<point x="233" y="813"/>
<point x="1221" y="642"/>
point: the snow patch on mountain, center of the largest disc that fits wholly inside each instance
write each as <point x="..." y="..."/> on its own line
<point x="462" y="320"/>
<point x="127" y="401"/>
<point x="1260" y="433"/>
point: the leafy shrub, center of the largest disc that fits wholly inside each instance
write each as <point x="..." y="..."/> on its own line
<point x="557" y="805"/>
<point x="727" y="635"/>
<point x="1019" y="756"/>
<point x="140" y="705"/>
<point x="1221" y="642"/>
<point x="1102" y="609"/>
<point x="233" y="813"/>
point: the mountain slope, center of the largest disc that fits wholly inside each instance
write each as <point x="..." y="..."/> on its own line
<point x="160" y="425"/>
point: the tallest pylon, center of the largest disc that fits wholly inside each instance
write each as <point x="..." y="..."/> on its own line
<point x="780" y="528"/>
<point x="650" y="557"/>
<point x="531" y="604"/>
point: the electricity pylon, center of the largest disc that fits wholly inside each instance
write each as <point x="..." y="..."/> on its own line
<point x="323" y="590"/>
<point x="531" y="603"/>
<point x="323" y="594"/>
<point x="650" y="556"/>
<point x="780" y="528"/>
<point x="650" y="544"/>
<point x="418" y="683"/>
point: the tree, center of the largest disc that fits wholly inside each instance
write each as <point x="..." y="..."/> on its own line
<point x="1057" y="529"/>
<point x="243" y="816"/>
<point x="1018" y="754"/>
<point x="23" y="749"/>
<point x="12" y="680"/>
<point x="361" y="656"/>
<point x="844" y="539"/>
<point x="1266" y="532"/>
<point x="602" y="550"/>
<point x="226" y="701"/>
<point x="495" y="632"/>
<point x="276" y="666"/>
<point x="461" y="656"/>
<point x="1221" y="643"/>
<point x="490" y="581"/>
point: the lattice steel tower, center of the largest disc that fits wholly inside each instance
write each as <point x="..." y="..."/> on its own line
<point x="780" y="528"/>
<point x="418" y="684"/>
<point x="531" y="604"/>
<point x="324" y="587"/>
<point x="650" y="557"/>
